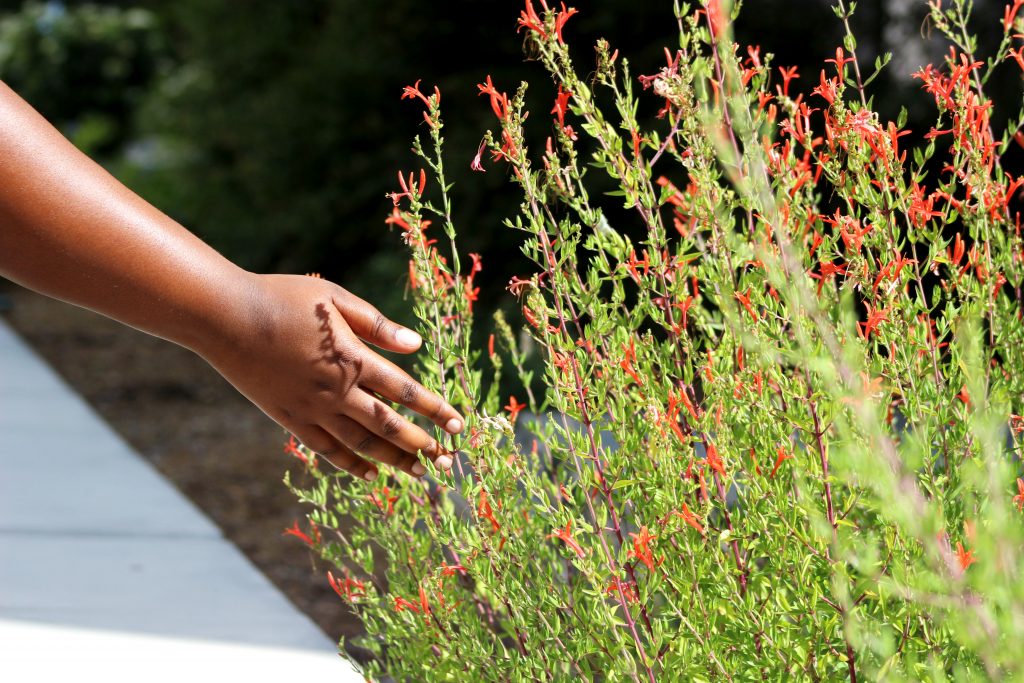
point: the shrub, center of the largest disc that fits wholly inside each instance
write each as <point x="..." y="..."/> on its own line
<point x="777" y="434"/>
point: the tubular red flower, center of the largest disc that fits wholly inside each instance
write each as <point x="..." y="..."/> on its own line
<point x="560" y="20"/>
<point x="965" y="558"/>
<point x="641" y="549"/>
<point x="565" y="535"/>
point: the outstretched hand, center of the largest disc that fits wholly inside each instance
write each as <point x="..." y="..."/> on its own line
<point x="300" y="356"/>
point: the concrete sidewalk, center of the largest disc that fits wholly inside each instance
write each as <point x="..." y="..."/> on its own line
<point x="106" y="569"/>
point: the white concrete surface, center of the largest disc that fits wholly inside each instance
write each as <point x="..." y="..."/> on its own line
<point x="106" y="570"/>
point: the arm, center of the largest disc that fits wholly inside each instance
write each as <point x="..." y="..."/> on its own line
<point x="293" y="345"/>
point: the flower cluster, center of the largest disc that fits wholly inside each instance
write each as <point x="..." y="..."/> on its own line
<point x="778" y="429"/>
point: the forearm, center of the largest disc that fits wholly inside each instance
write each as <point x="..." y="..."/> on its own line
<point x="293" y="345"/>
<point x="70" y="230"/>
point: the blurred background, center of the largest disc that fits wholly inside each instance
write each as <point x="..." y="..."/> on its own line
<point x="273" y="129"/>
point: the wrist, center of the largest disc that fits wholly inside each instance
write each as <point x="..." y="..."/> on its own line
<point x="222" y="321"/>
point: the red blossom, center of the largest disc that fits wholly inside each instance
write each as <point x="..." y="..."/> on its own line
<point x="528" y="19"/>
<point x="514" y="407"/>
<point x="346" y="588"/>
<point x="294" y="449"/>
<point x="499" y="100"/>
<point x="641" y="547"/>
<point x="298" y="533"/>
<point x="714" y="460"/>
<point x="744" y="299"/>
<point x="788" y="75"/>
<point x="617" y="586"/>
<point x="781" y="457"/>
<point x="411" y="91"/>
<point x="828" y="88"/>
<point x="875" y="318"/>
<point x="485" y="510"/>
<point x="565" y="535"/>
<point x="689" y="518"/>
<point x="561" y="105"/>
<point x="452" y="570"/>
<point x="1010" y="14"/>
<point x="383" y="499"/>
<point x="401" y="604"/>
<point x="627" y="362"/>
<point x="964" y="557"/>
<point x="561" y="18"/>
<point x="840" y="61"/>
<point x="828" y="270"/>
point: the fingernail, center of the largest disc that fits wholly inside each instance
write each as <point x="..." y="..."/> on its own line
<point x="418" y="469"/>
<point x="407" y="337"/>
<point x="371" y="475"/>
<point x="443" y="462"/>
<point x="454" y="426"/>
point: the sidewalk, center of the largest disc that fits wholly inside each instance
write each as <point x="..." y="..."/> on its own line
<point x="106" y="569"/>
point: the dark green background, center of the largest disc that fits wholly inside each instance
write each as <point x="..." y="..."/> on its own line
<point x="274" y="129"/>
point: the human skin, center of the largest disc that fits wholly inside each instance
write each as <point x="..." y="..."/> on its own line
<point x="295" y="346"/>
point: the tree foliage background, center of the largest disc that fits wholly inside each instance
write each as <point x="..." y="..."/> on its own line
<point x="273" y="129"/>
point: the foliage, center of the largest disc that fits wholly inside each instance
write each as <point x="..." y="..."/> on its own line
<point x="86" y="67"/>
<point x="778" y="432"/>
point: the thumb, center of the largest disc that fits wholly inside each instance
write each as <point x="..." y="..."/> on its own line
<point x="372" y="326"/>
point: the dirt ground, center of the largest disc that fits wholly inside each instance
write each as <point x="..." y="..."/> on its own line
<point x="181" y="415"/>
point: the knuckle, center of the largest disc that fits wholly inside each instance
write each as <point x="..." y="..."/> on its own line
<point x="392" y="425"/>
<point x="409" y="393"/>
<point x="380" y="324"/>
<point x="365" y="443"/>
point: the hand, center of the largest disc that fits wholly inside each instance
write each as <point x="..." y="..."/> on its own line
<point x="299" y="355"/>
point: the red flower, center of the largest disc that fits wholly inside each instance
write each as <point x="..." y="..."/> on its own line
<point x="1010" y="13"/>
<point x="485" y="510"/>
<point x="627" y="362"/>
<point x="499" y="100"/>
<point x="1019" y="498"/>
<point x="744" y="299"/>
<point x="401" y="604"/>
<point x="965" y="557"/>
<point x="828" y="88"/>
<point x="1019" y="56"/>
<point x="294" y="448"/>
<point x="714" y="460"/>
<point x="828" y="270"/>
<point x="689" y="518"/>
<point x="298" y="533"/>
<point x="626" y="588"/>
<point x="382" y="498"/>
<point x="782" y="457"/>
<point x="566" y="536"/>
<point x="641" y="547"/>
<point x="840" y="61"/>
<point x="528" y="19"/>
<point x="788" y="75"/>
<point x="346" y="588"/>
<point x="563" y="17"/>
<point x="411" y="91"/>
<point x="452" y="569"/>
<point x="514" y="407"/>
<point x="875" y="318"/>
<point x="561" y="105"/>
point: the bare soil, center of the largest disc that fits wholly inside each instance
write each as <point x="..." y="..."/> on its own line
<point x="181" y="415"/>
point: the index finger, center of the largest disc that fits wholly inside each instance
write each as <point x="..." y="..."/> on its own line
<point x="383" y="377"/>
